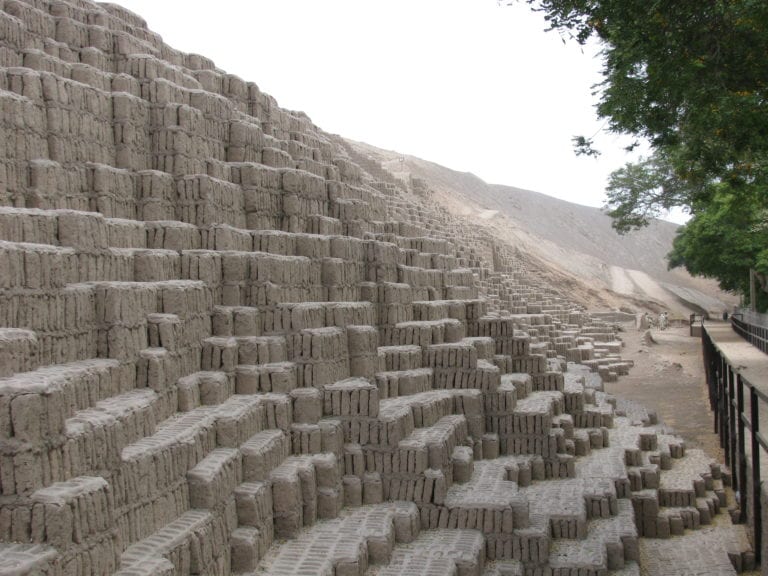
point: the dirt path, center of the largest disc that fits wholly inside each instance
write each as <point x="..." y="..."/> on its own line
<point x="668" y="377"/>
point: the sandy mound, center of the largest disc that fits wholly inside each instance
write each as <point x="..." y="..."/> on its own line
<point x="569" y="244"/>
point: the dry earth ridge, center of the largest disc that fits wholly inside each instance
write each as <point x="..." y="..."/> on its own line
<point x="228" y="348"/>
<point x="563" y="242"/>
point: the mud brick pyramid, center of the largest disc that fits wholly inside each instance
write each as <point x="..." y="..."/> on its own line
<point x="231" y="345"/>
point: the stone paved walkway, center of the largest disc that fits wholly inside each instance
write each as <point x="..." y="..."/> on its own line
<point x="703" y="552"/>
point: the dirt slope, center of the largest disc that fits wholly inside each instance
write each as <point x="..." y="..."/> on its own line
<point x="572" y="244"/>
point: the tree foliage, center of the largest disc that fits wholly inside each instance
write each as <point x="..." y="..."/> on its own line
<point x="583" y="146"/>
<point x="640" y="191"/>
<point x="725" y="241"/>
<point x="685" y="73"/>
<point x="691" y="78"/>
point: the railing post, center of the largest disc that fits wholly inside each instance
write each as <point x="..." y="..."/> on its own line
<point x="732" y="439"/>
<point x="741" y="472"/>
<point x="764" y="339"/>
<point x="722" y="406"/>
<point x="756" y="508"/>
<point x="709" y="367"/>
<point x="713" y="389"/>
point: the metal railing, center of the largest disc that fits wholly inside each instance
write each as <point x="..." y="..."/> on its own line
<point x="755" y="334"/>
<point x="737" y="405"/>
<point x="695" y="322"/>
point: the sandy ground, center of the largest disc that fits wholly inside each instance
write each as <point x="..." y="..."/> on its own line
<point x="668" y="377"/>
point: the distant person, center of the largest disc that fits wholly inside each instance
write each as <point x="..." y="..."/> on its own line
<point x="663" y="321"/>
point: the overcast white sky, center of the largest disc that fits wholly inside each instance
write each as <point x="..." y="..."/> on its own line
<point x="468" y="84"/>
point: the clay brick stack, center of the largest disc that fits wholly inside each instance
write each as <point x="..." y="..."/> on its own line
<point x="218" y="328"/>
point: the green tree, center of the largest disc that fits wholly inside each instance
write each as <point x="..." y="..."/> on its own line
<point x="691" y="78"/>
<point x="725" y="241"/>
<point x="643" y="190"/>
<point x="685" y="73"/>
